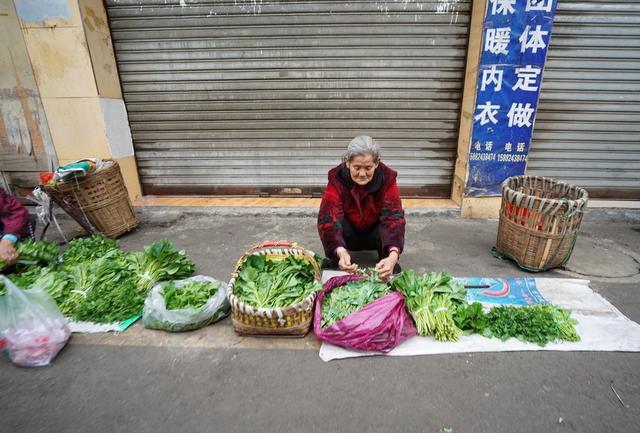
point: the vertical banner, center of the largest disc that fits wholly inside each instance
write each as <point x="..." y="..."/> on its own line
<point x="516" y="35"/>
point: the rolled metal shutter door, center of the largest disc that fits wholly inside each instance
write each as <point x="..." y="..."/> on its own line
<point x="587" y="130"/>
<point x="252" y="96"/>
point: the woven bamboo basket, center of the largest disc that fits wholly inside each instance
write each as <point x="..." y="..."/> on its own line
<point x="294" y="320"/>
<point x="539" y="221"/>
<point x="99" y="202"/>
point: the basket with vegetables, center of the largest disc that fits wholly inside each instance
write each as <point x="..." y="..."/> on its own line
<point x="272" y="289"/>
<point x="361" y="312"/>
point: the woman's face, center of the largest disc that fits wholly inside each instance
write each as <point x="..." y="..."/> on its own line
<point x="361" y="168"/>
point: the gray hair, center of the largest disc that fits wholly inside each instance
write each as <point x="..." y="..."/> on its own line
<point x="362" y="145"/>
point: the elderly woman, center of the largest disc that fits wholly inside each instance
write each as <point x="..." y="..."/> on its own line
<point x="361" y="210"/>
<point x="14" y="224"/>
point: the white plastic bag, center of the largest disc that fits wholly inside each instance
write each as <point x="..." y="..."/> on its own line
<point x="156" y="316"/>
<point x="31" y="325"/>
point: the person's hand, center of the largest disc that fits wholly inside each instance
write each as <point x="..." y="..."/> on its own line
<point x="8" y="253"/>
<point x="344" y="262"/>
<point x="386" y="265"/>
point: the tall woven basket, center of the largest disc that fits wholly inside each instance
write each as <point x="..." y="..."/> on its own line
<point x="539" y="221"/>
<point x="99" y="202"/>
<point x="294" y="320"/>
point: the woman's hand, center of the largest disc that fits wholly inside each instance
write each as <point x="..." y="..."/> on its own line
<point x="344" y="262"/>
<point x="386" y="265"/>
<point x="8" y="253"/>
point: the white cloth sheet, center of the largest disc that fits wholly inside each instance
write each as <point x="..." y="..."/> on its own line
<point x="601" y="326"/>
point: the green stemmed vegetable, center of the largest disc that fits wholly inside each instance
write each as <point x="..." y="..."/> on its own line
<point x="432" y="300"/>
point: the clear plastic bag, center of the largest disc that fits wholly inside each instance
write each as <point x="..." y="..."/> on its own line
<point x="31" y="326"/>
<point x="156" y="316"/>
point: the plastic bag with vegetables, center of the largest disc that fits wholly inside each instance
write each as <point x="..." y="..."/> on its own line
<point x="378" y="326"/>
<point x="185" y="305"/>
<point x="31" y="326"/>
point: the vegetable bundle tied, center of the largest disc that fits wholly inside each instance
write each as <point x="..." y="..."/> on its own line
<point x="432" y="300"/>
<point x="275" y="283"/>
<point x="351" y="297"/>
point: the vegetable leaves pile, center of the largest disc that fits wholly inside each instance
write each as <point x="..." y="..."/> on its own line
<point x="540" y="324"/>
<point x="267" y="283"/>
<point x="193" y="294"/>
<point x="98" y="282"/>
<point x="84" y="250"/>
<point x="351" y="297"/>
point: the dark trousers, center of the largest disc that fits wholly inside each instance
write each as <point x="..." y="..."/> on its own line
<point x="362" y="241"/>
<point x="357" y="241"/>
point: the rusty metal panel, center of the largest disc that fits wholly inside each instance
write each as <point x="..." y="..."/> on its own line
<point x="587" y="128"/>
<point x="264" y="96"/>
<point x="25" y="143"/>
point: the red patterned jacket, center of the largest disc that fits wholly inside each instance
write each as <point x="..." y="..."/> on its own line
<point x="14" y="218"/>
<point x="364" y="207"/>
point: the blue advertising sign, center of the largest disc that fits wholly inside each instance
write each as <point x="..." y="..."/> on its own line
<point x="516" y="36"/>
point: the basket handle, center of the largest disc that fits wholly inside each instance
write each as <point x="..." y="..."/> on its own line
<point x="286" y="244"/>
<point x="268" y="244"/>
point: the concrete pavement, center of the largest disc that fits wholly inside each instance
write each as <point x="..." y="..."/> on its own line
<point x="213" y="380"/>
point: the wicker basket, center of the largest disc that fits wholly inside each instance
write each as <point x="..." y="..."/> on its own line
<point x="539" y="221"/>
<point x="99" y="202"/>
<point x="294" y="320"/>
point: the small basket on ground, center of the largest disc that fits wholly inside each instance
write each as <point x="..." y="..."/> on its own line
<point x="539" y="221"/>
<point x="99" y="202"/>
<point x="294" y="320"/>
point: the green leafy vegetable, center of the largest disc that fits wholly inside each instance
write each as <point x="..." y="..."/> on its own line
<point x="193" y="294"/>
<point x="267" y="283"/>
<point x="118" y="282"/>
<point x="351" y="297"/>
<point x="106" y="290"/>
<point x="30" y="253"/>
<point x="432" y="299"/>
<point x="540" y="324"/>
<point x="84" y="250"/>
<point x="160" y="261"/>
<point x="97" y="281"/>
<point x="471" y="318"/>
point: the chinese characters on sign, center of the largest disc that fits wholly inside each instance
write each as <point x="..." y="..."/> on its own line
<point x="516" y="36"/>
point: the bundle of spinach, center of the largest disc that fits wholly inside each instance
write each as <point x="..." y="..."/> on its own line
<point x="32" y="253"/>
<point x="539" y="324"/>
<point x="351" y="297"/>
<point x="160" y="261"/>
<point x="275" y="283"/>
<point x="432" y="299"/>
<point x="193" y="294"/>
